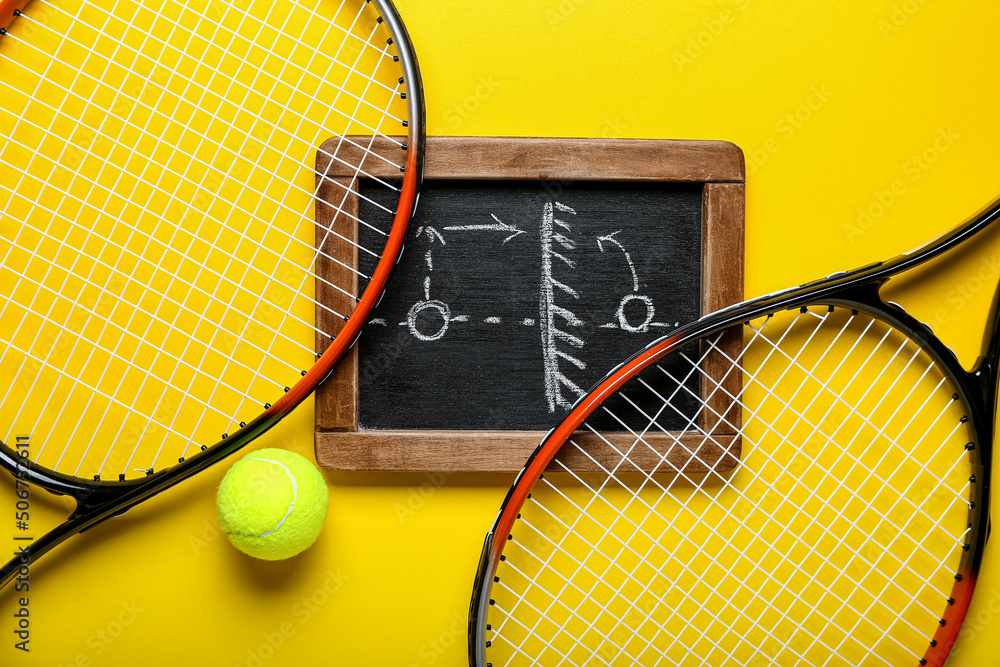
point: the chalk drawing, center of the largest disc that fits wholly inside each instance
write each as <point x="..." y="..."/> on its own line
<point x="635" y="312"/>
<point x="431" y="233"/>
<point x="500" y="226"/>
<point x="628" y="258"/>
<point x="438" y="310"/>
<point x="428" y="304"/>
<point x="623" y="322"/>
<point x="555" y="381"/>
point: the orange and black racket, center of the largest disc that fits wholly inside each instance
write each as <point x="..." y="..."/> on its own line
<point x="800" y="479"/>
<point x="182" y="259"/>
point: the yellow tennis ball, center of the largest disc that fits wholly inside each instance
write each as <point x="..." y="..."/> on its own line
<point x="272" y="504"/>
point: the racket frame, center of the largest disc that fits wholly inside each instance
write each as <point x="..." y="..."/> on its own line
<point x="9" y="9"/>
<point x="97" y="500"/>
<point x="855" y="289"/>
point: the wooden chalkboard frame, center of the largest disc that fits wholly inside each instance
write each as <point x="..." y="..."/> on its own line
<point x="717" y="165"/>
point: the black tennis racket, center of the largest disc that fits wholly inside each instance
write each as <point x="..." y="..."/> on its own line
<point x="181" y="256"/>
<point x="801" y="479"/>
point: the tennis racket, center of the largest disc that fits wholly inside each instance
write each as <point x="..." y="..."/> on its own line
<point x="181" y="256"/>
<point x="817" y="493"/>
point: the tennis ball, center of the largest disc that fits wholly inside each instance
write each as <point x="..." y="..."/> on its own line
<point x="272" y="504"/>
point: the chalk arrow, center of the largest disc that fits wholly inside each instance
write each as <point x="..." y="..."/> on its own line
<point x="431" y="234"/>
<point x="499" y="227"/>
<point x="628" y="258"/>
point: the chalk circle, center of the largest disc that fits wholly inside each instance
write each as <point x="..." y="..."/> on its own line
<point x="623" y="321"/>
<point x="439" y="307"/>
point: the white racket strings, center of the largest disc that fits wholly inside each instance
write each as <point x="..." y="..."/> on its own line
<point x="828" y="533"/>
<point x="159" y="241"/>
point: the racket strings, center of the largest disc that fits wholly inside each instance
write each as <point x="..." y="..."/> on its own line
<point x="871" y="472"/>
<point x="305" y="72"/>
<point x="211" y="299"/>
<point x="140" y="255"/>
<point x="84" y="201"/>
<point x="846" y="449"/>
<point x="826" y="531"/>
<point x="598" y="576"/>
<point x="576" y="614"/>
<point x="624" y="544"/>
<point x="333" y="156"/>
<point x="567" y="583"/>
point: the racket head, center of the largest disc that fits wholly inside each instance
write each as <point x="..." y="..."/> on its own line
<point x="776" y="530"/>
<point x="165" y="219"/>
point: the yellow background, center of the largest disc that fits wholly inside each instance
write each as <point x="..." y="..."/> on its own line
<point x="868" y="126"/>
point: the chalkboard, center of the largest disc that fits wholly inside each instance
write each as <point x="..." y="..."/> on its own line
<point x="514" y="300"/>
<point x="531" y="269"/>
